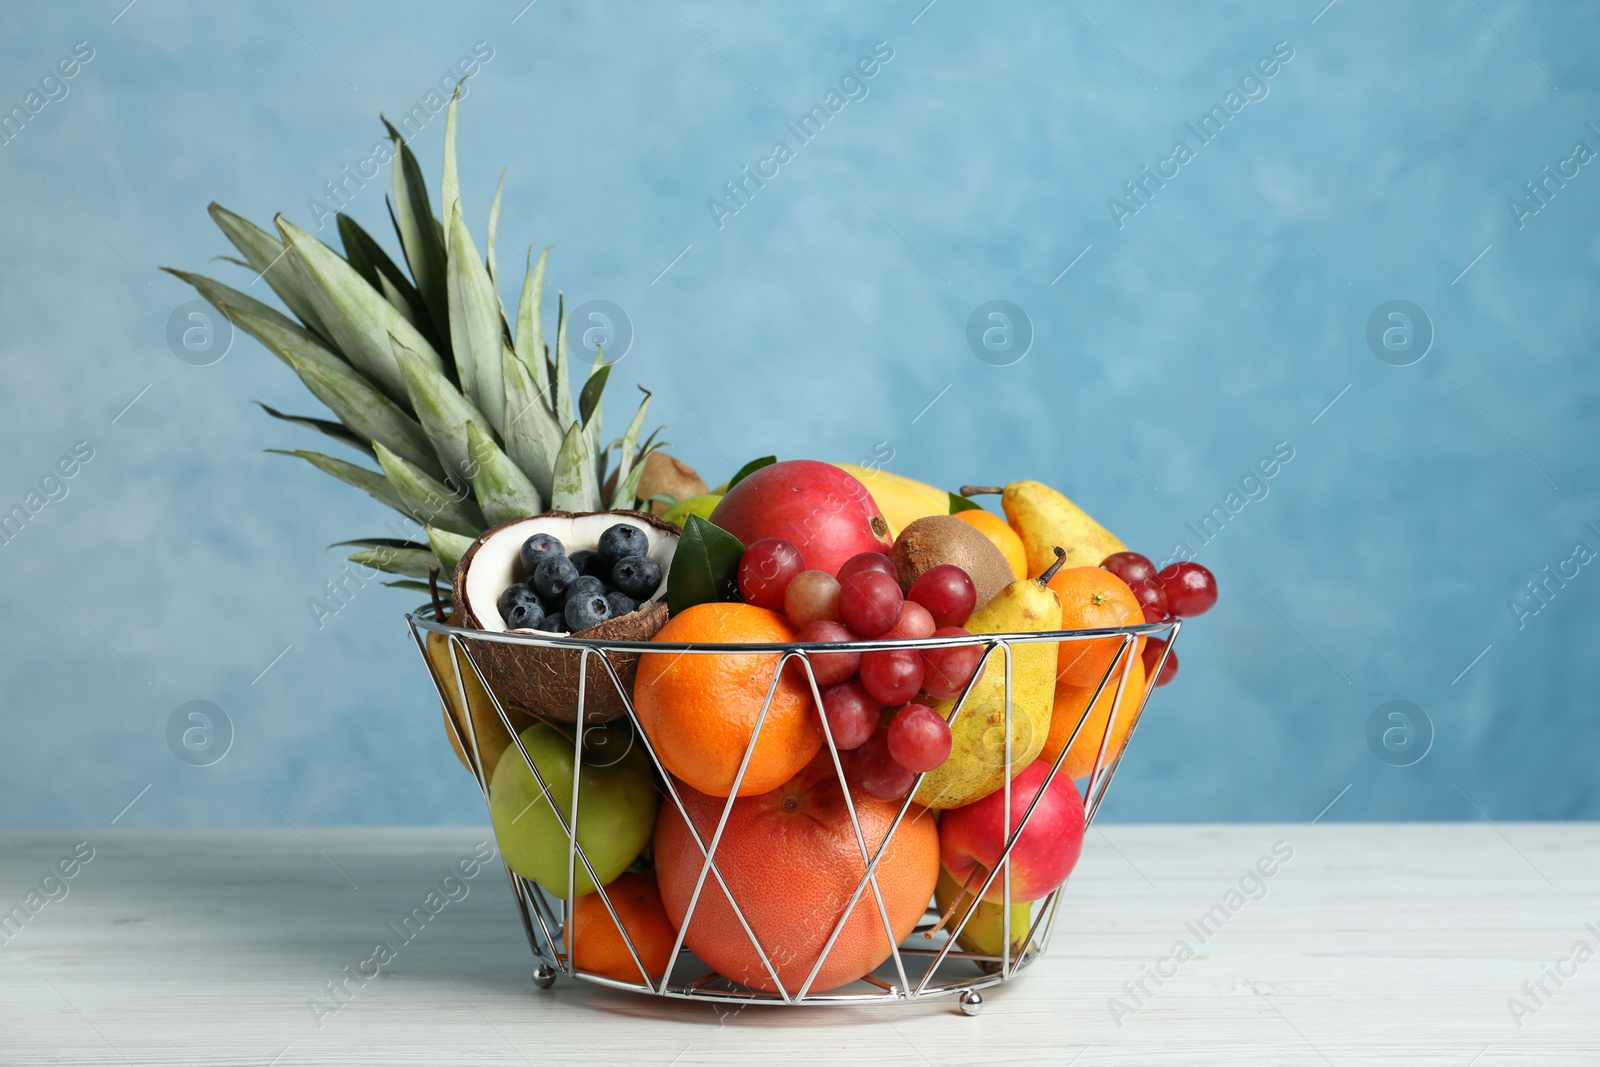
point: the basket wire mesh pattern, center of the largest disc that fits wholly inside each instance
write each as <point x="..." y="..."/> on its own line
<point x="934" y="967"/>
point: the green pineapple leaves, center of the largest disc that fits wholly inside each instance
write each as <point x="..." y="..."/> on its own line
<point x="531" y="437"/>
<point x="336" y="430"/>
<point x="267" y="256"/>
<point x="429" y="501"/>
<point x="419" y="235"/>
<point x="475" y="325"/>
<point x="530" y="325"/>
<point x="575" y="485"/>
<point x="503" y="491"/>
<point x="449" y="548"/>
<point x="442" y="410"/>
<point x="370" y="482"/>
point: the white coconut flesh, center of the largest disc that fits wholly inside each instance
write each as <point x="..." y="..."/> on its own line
<point x="498" y="562"/>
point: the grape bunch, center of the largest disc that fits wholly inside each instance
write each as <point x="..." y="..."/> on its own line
<point x="565" y="594"/>
<point x="872" y="701"/>
<point x="1178" y="591"/>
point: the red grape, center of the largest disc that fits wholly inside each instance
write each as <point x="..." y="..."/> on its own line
<point x="829" y="667"/>
<point x="914" y="622"/>
<point x="893" y="675"/>
<point x="870" y="603"/>
<point x="852" y="714"/>
<point x="947" y="669"/>
<point x="919" y="739"/>
<point x="1152" y="652"/>
<point x="1130" y="566"/>
<point x="1152" y="598"/>
<point x="812" y="595"/>
<point x="947" y="592"/>
<point x="1191" y="589"/>
<point x="874" y="771"/>
<point x="866" y="561"/>
<point x="765" y="571"/>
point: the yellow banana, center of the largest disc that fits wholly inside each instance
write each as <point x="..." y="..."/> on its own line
<point x="902" y="500"/>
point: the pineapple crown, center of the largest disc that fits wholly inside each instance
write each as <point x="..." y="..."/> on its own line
<point x="470" y="418"/>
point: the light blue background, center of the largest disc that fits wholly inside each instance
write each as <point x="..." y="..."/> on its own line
<point x="823" y="318"/>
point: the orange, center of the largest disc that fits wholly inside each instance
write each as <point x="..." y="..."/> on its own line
<point x="596" y="944"/>
<point x="791" y="859"/>
<point x="1004" y="537"/>
<point x="1092" y="599"/>
<point x="699" y="709"/>
<point x="1069" y="705"/>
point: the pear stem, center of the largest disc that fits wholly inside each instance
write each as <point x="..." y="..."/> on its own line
<point x="433" y="590"/>
<point x="980" y="490"/>
<point x="1061" y="557"/>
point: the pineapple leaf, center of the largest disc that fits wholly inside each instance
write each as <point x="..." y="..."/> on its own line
<point x="626" y="454"/>
<point x="418" y="587"/>
<point x="379" y="542"/>
<point x="531" y="435"/>
<point x="397" y="298"/>
<point x="449" y="180"/>
<point x="369" y="413"/>
<point x="371" y="482"/>
<point x="427" y="500"/>
<point x="589" y="399"/>
<point x="626" y="494"/>
<point x="574" y="487"/>
<point x="373" y="263"/>
<point x="336" y="430"/>
<point x="558" y="375"/>
<point x="494" y="232"/>
<point x="475" y="326"/>
<point x="449" y="548"/>
<point x="530" y="323"/>
<point x="409" y="562"/>
<point x="268" y="257"/>
<point x="503" y="491"/>
<point x="359" y="317"/>
<point x="443" y="412"/>
<point x="419" y="236"/>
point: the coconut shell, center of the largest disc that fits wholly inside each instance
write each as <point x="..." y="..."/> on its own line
<point x="933" y="540"/>
<point x="543" y="681"/>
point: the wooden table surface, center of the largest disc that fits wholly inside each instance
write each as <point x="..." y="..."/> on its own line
<point x="1368" y="944"/>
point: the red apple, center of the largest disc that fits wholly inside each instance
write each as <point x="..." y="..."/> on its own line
<point x="971" y="838"/>
<point x="819" y="509"/>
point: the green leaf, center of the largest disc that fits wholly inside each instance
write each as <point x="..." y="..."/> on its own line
<point x="494" y="233"/>
<point x="574" y="487"/>
<point x="960" y="503"/>
<point x="748" y="469"/>
<point x="503" y="491"/>
<point x="427" y="500"/>
<point x="373" y="263"/>
<point x="265" y="254"/>
<point x="360" y="319"/>
<point x="593" y="387"/>
<point x="559" y="380"/>
<point x="532" y="438"/>
<point x="336" y="430"/>
<point x="475" y="328"/>
<point x="411" y="562"/>
<point x="371" y="482"/>
<point x="627" y="454"/>
<point x="368" y="412"/>
<point x="379" y="542"/>
<point x="398" y="300"/>
<point x="419" y="236"/>
<point x="530" y="323"/>
<point x="443" y="412"/>
<point x="627" y="492"/>
<point x="705" y="566"/>
<point x="420" y="587"/>
<point x="449" y="548"/>
<point x="449" y="181"/>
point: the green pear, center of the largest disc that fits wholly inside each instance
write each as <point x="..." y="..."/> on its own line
<point x="977" y="764"/>
<point x="702" y="505"/>
<point x="617" y="801"/>
<point x="985" y="931"/>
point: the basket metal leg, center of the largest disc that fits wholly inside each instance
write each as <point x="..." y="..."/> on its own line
<point x="971" y="1002"/>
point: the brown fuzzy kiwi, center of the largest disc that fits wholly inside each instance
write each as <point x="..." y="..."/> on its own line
<point x="543" y="682"/>
<point x="933" y="540"/>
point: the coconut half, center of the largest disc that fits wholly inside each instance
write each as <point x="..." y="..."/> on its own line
<point x="543" y="682"/>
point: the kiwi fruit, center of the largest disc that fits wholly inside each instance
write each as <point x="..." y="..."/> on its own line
<point x="933" y="540"/>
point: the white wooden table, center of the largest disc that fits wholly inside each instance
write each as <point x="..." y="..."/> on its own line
<point x="1372" y="944"/>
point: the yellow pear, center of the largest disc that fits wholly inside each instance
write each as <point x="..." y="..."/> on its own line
<point x="977" y="764"/>
<point x="491" y="734"/>
<point x="902" y="500"/>
<point x="1045" y="519"/>
<point x="985" y="931"/>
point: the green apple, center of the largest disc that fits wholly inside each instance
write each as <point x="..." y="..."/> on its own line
<point x="702" y="505"/>
<point x="617" y="801"/>
<point x="985" y="931"/>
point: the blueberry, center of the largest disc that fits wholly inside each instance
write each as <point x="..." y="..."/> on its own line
<point x="586" y="585"/>
<point x="537" y="548"/>
<point x="622" y="540"/>
<point x="588" y="561"/>
<point x="552" y="577"/>
<point x="621" y="603"/>
<point x="637" y="576"/>
<point x="555" y="623"/>
<point x="586" y="611"/>
<point x="520" y="608"/>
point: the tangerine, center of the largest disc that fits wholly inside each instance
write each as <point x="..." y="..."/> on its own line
<point x="1091" y="599"/>
<point x="699" y="709"/>
<point x="596" y="944"/>
<point x="791" y="859"/>
<point x="998" y="531"/>
<point x="1070" y="701"/>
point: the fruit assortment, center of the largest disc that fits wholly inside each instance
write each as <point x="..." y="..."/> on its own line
<point x="800" y="553"/>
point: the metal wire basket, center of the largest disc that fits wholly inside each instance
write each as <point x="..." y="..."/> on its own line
<point x="933" y="968"/>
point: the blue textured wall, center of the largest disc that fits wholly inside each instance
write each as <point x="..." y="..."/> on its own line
<point x="1221" y="317"/>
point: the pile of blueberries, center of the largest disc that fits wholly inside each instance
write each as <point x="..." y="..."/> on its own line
<point x="565" y="594"/>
